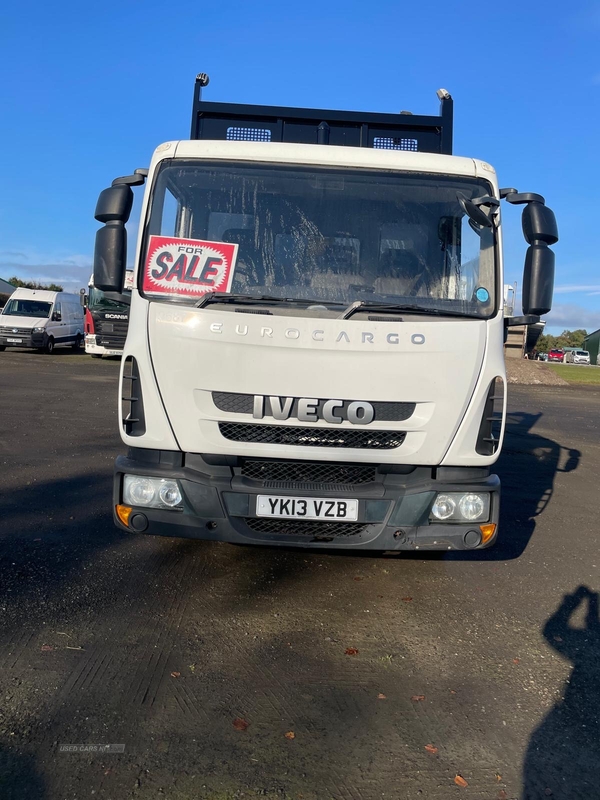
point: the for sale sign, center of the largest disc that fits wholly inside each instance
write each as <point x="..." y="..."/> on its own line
<point x="188" y="267"/>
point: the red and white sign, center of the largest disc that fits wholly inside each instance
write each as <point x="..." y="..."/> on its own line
<point x="188" y="267"/>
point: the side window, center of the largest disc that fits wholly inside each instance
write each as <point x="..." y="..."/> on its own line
<point x="169" y="216"/>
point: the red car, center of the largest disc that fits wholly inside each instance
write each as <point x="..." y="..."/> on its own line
<point x="556" y="355"/>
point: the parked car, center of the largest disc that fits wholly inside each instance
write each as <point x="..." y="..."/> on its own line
<point x="556" y="355"/>
<point x="578" y="357"/>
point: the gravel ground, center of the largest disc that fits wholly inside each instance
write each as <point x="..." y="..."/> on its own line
<point x="531" y="373"/>
<point x="238" y="672"/>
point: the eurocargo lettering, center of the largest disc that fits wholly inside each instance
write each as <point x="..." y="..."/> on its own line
<point x="315" y="345"/>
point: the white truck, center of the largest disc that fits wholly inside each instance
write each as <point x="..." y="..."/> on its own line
<point x="315" y="348"/>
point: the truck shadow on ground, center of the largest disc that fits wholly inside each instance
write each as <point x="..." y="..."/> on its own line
<point x="19" y="779"/>
<point x="563" y="756"/>
<point x="527" y="467"/>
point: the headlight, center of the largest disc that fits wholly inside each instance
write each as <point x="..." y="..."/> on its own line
<point x="444" y="506"/>
<point x="39" y="330"/>
<point x="461" y="507"/>
<point x="151" y="492"/>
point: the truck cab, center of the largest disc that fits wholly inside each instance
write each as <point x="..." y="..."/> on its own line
<point x="315" y="351"/>
<point x="107" y="319"/>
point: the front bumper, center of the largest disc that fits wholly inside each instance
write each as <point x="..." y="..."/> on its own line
<point x="219" y="504"/>
<point x="36" y="340"/>
<point x="93" y="348"/>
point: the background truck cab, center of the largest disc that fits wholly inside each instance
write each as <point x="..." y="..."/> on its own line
<point x="41" y="319"/>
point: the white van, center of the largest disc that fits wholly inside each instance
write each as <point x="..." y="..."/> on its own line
<point x="41" y="319"/>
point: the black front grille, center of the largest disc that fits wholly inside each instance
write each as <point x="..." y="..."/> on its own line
<point x="316" y="530"/>
<point x="111" y="333"/>
<point x="308" y="472"/>
<point x="312" y="437"/>
<point x="235" y="403"/>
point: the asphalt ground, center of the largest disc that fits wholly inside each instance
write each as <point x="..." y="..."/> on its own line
<point x="200" y="657"/>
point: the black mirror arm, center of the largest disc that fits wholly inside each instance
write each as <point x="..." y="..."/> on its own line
<point x="521" y="198"/>
<point x="137" y="179"/>
<point x="527" y="319"/>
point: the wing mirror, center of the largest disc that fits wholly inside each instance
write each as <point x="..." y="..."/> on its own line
<point x="110" y="253"/>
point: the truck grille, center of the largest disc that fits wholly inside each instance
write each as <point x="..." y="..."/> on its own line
<point x="15" y="331"/>
<point x="288" y="474"/>
<point x="312" y="437"/>
<point x="234" y="403"/>
<point x="292" y="527"/>
<point x="111" y="333"/>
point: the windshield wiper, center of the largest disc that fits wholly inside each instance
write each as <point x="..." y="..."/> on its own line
<point x="361" y="305"/>
<point x="248" y="299"/>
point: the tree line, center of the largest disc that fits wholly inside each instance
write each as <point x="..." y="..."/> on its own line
<point x="547" y="342"/>
<point x="19" y="284"/>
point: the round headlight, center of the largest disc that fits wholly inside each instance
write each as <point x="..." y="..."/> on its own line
<point x="471" y="506"/>
<point x="169" y="493"/>
<point x="141" y="492"/>
<point x="444" y="506"/>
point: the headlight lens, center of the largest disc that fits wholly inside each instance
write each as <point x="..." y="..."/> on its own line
<point x="169" y="493"/>
<point x="151" y="492"/>
<point x="39" y="330"/>
<point x="443" y="507"/>
<point x="461" y="507"/>
<point x="471" y="506"/>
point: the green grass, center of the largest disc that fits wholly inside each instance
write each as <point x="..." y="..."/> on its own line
<point x="577" y="374"/>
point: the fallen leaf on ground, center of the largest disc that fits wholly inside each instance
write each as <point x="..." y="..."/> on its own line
<point x="381" y="696"/>
<point x="431" y="749"/>
<point x="516" y="660"/>
<point x="351" y="651"/>
<point x="417" y="697"/>
<point x="46" y="647"/>
<point x="290" y="735"/>
<point x="175" y="674"/>
<point x="240" y="724"/>
<point x="357" y="578"/>
<point x="452" y="691"/>
<point x="73" y="647"/>
<point x="460" y="781"/>
<point x="502" y="795"/>
<point x="407" y="599"/>
<point x="498" y="777"/>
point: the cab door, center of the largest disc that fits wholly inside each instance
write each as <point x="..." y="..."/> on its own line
<point x="58" y="327"/>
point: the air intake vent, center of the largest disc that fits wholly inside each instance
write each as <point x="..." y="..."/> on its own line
<point x="308" y="472"/>
<point x="312" y="437"/>
<point x="249" y="134"/>
<point x="395" y="143"/>
<point x="488" y="439"/>
<point x="316" y="530"/>
<point x="132" y="405"/>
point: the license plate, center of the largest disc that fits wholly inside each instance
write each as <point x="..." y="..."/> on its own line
<point x="306" y="508"/>
<point x="15" y="341"/>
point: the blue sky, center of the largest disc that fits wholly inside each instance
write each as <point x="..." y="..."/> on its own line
<point x="89" y="90"/>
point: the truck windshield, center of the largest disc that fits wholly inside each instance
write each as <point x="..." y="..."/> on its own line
<point x="328" y="235"/>
<point x="97" y="301"/>
<point x="27" y="308"/>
